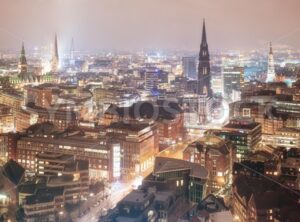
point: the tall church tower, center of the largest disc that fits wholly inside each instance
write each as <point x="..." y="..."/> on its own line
<point x="55" y="58"/>
<point x="204" y="85"/>
<point x="271" y="67"/>
<point x="205" y="93"/>
<point x="23" y="61"/>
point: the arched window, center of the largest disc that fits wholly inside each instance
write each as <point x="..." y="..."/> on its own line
<point x="205" y="92"/>
<point x="204" y="70"/>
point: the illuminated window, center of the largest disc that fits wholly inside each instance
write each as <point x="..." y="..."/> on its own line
<point x="76" y="176"/>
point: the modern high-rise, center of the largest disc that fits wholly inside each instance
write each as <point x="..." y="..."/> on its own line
<point x="204" y="85"/>
<point x="233" y="77"/>
<point x="189" y="65"/>
<point x="244" y="133"/>
<point x="271" y="66"/>
<point x="151" y="79"/>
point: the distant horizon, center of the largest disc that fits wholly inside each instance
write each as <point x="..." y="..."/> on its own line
<point x="164" y="51"/>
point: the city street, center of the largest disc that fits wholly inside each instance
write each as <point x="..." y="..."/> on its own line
<point x="117" y="192"/>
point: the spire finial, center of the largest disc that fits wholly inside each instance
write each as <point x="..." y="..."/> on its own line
<point x="55" y="46"/>
<point x="271" y="48"/>
<point x="204" y="33"/>
<point x="23" y="49"/>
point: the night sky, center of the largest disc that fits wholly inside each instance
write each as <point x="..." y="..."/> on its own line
<point x="142" y="24"/>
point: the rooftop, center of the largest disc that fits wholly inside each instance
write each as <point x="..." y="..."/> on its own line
<point x="137" y="196"/>
<point x="55" y="156"/>
<point x="164" y="164"/>
<point x="242" y="123"/>
<point x="13" y="171"/>
<point x="162" y="109"/>
<point x="211" y="142"/>
<point x="44" y="195"/>
<point x="131" y="126"/>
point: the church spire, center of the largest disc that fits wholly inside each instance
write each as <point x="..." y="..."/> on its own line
<point x="55" y="47"/>
<point x="55" y="57"/>
<point x="203" y="41"/>
<point x="204" y="86"/>
<point x="23" y="61"/>
<point x="271" y="75"/>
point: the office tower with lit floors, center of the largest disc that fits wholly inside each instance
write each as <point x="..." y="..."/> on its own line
<point x="204" y="85"/>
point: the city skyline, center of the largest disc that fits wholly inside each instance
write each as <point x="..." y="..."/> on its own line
<point x="149" y="25"/>
<point x="149" y="111"/>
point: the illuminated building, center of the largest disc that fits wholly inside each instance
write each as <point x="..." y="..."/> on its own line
<point x="19" y="81"/>
<point x="5" y="84"/>
<point x="289" y="168"/>
<point x="65" y="171"/>
<point x="124" y="150"/>
<point x="185" y="179"/>
<point x="258" y="164"/>
<point x="291" y="109"/>
<point x="8" y="147"/>
<point x="179" y="84"/>
<point x="6" y="119"/>
<point x="137" y="206"/>
<point x="148" y="205"/>
<point x="258" y="199"/>
<point x="62" y="119"/>
<point x="216" y="155"/>
<point x="272" y="125"/>
<point x="79" y="101"/>
<point x="283" y="137"/>
<point x="271" y="68"/>
<point x="244" y="133"/>
<point x="168" y="116"/>
<point x="204" y="85"/>
<point x="38" y="95"/>
<point x="151" y="79"/>
<point x="217" y="84"/>
<point x="44" y="205"/>
<point x="233" y="77"/>
<point x="55" y="58"/>
<point x="121" y="97"/>
<point x="11" y="174"/>
<point x="189" y="65"/>
<point x="25" y="119"/>
<point x="138" y="144"/>
<point x="23" y="61"/>
<point x="45" y="137"/>
<point x="212" y="208"/>
<point x="12" y="99"/>
<point x="266" y="115"/>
